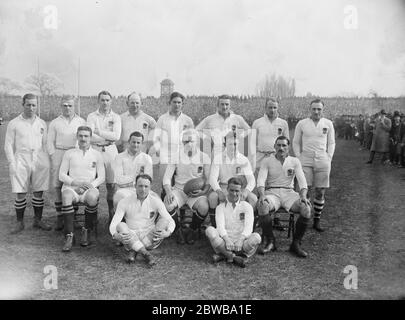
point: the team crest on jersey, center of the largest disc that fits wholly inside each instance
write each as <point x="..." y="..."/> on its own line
<point x="233" y="127"/>
<point x="110" y="123"/>
<point x="238" y="170"/>
<point x="242" y="216"/>
<point x="325" y="130"/>
<point x="280" y="131"/>
<point x="290" y="172"/>
<point x="151" y="214"/>
<point x="93" y="164"/>
<point x="142" y="170"/>
<point x="200" y="169"/>
<point x="185" y="127"/>
<point x="145" y="125"/>
<point x="42" y="130"/>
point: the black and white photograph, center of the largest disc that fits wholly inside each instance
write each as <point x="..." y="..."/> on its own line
<point x="202" y="155"/>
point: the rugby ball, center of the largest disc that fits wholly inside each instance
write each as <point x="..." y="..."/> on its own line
<point x="193" y="185"/>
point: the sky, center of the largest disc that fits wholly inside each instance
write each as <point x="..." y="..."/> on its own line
<point x="210" y="47"/>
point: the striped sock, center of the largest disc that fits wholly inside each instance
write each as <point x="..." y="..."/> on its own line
<point x="68" y="212"/>
<point x="90" y="216"/>
<point x="38" y="205"/>
<point x="318" y="207"/>
<point x="19" y="206"/>
<point x="58" y="207"/>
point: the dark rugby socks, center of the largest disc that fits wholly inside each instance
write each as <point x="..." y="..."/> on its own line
<point x="19" y="206"/>
<point x="38" y="205"/>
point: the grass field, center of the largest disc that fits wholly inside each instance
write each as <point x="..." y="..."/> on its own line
<point x="363" y="214"/>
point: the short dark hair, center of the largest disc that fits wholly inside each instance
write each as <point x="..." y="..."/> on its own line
<point x="271" y="99"/>
<point x="317" y="101"/>
<point x="136" y="134"/>
<point x="224" y="96"/>
<point x="235" y="180"/>
<point x="283" y="138"/>
<point x="176" y="94"/>
<point x="29" y="96"/>
<point x="104" y="92"/>
<point x="143" y="176"/>
<point x="84" y="128"/>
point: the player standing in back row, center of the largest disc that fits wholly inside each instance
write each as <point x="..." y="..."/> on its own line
<point x="314" y="146"/>
<point x="25" y="148"/>
<point x="106" y="128"/>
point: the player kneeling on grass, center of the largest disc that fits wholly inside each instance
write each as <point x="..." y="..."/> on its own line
<point x="277" y="173"/>
<point x="82" y="172"/>
<point x="147" y="221"/>
<point x="233" y="239"/>
<point x="229" y="164"/>
<point x="192" y="164"/>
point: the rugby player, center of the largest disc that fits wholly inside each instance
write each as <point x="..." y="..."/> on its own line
<point x="233" y="239"/>
<point x="192" y="164"/>
<point x="314" y="146"/>
<point x="135" y="120"/>
<point x="81" y="172"/>
<point x="106" y="127"/>
<point x="61" y="137"/>
<point x="226" y="165"/>
<point x="167" y="135"/>
<point x="217" y="125"/>
<point x="275" y="185"/>
<point x="128" y="165"/>
<point x="147" y="221"/>
<point x="268" y="128"/>
<point x="25" y="149"/>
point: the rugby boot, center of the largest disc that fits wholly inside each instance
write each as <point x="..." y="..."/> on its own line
<point x="300" y="228"/>
<point x="297" y="250"/>
<point x="84" y="240"/>
<point x="68" y="243"/>
<point x="149" y="258"/>
<point x="239" y="261"/>
<point x="59" y="223"/>
<point x="217" y="258"/>
<point x="131" y="256"/>
<point x="18" y="227"/>
<point x="317" y="225"/>
<point x="266" y="246"/>
<point x="39" y="224"/>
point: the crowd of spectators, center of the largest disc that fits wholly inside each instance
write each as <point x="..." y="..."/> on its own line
<point x="380" y="133"/>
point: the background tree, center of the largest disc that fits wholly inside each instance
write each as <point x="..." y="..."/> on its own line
<point x="276" y="86"/>
<point x="44" y="84"/>
<point x="8" y="86"/>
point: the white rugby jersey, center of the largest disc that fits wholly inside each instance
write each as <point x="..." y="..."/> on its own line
<point x="268" y="131"/>
<point x="109" y="126"/>
<point x="126" y="167"/>
<point x="25" y="136"/>
<point x="274" y="174"/>
<point x="218" y="126"/>
<point x="167" y="136"/>
<point x="142" y="122"/>
<point x="311" y="139"/>
<point x="87" y="165"/>
<point x="234" y="222"/>
<point x="188" y="168"/>
<point x="223" y="168"/>
<point x="141" y="217"/>
<point x="62" y="133"/>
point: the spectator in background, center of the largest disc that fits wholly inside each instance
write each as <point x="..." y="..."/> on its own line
<point x="395" y="139"/>
<point x="360" y="130"/>
<point x="381" y="142"/>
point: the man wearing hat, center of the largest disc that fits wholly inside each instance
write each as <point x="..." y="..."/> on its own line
<point x="381" y="138"/>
